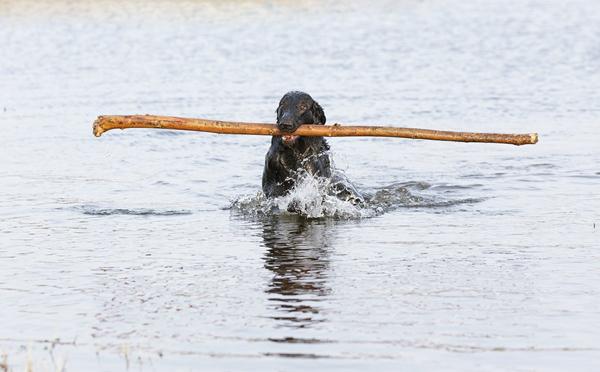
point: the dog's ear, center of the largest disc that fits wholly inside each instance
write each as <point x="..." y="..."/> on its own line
<point x="318" y="113"/>
<point x="278" y="110"/>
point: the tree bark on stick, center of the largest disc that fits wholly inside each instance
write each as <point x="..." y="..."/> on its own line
<point x="105" y="123"/>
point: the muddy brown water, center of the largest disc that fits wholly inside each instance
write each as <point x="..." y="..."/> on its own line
<point x="153" y="250"/>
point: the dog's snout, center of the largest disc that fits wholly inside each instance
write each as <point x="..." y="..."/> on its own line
<point x="286" y="126"/>
<point x="286" y="122"/>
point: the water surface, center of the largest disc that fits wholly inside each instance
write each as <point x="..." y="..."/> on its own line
<point x="146" y="249"/>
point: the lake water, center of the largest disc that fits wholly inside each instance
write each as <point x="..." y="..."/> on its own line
<point x="148" y="250"/>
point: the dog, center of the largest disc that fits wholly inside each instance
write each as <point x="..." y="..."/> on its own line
<point x="290" y="155"/>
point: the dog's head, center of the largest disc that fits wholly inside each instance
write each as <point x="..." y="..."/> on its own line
<point x="295" y="109"/>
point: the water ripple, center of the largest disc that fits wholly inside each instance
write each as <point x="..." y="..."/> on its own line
<point x="94" y="211"/>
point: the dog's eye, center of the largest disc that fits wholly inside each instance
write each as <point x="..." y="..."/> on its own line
<point x="302" y="107"/>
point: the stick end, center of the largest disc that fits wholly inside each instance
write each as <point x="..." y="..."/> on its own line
<point x="97" y="126"/>
<point x="534" y="138"/>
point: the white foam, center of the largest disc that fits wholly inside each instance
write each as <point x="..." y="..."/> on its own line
<point x="315" y="197"/>
<point x="311" y="197"/>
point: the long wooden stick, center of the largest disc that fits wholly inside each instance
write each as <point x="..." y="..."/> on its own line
<point x="105" y="123"/>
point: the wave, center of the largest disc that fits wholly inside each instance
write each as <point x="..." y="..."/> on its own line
<point x="95" y="211"/>
<point x="314" y="197"/>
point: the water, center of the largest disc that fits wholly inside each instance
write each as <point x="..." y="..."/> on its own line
<point x="149" y="250"/>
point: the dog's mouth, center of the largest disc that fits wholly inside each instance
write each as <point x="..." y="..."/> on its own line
<point x="289" y="139"/>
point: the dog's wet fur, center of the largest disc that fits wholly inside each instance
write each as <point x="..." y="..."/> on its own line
<point x="289" y="155"/>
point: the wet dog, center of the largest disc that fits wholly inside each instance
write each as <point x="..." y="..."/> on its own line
<point x="290" y="155"/>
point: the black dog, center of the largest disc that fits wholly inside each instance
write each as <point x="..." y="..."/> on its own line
<point x="290" y="154"/>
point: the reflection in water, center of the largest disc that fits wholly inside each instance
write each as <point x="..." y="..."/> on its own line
<point x="298" y="256"/>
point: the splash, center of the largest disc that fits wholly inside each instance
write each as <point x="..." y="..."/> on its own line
<point x="317" y="197"/>
<point x="311" y="197"/>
